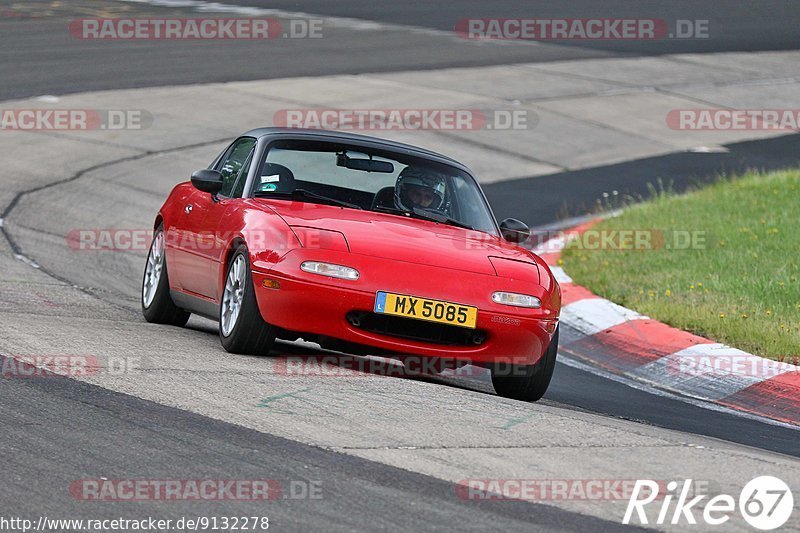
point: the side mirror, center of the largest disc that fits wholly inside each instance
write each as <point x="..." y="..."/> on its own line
<point x="206" y="180"/>
<point x="514" y="231"/>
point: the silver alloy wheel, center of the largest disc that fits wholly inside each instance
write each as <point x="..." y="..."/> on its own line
<point x="153" y="270"/>
<point x="233" y="295"/>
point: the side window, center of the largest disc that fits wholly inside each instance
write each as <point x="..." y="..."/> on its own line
<point x="238" y="189"/>
<point x="233" y="162"/>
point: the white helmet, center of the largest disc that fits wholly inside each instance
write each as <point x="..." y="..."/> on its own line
<point x="419" y="188"/>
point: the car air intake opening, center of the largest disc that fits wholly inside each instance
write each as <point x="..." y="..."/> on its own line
<point x="418" y="330"/>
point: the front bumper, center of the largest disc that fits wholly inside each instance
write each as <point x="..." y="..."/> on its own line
<point x="310" y="303"/>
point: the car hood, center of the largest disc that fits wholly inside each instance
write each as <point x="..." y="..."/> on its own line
<point x="402" y="239"/>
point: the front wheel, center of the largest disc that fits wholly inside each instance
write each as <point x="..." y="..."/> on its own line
<point x="157" y="304"/>
<point x="526" y="382"/>
<point x="241" y="328"/>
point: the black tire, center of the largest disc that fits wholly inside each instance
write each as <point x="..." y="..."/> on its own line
<point x="250" y="334"/>
<point x="526" y="382"/>
<point x="162" y="310"/>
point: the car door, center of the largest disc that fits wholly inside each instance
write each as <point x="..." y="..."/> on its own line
<point x="175" y="227"/>
<point x="206" y="233"/>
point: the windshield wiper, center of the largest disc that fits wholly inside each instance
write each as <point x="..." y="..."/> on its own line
<point x="439" y="217"/>
<point x="303" y="193"/>
<point x="392" y="210"/>
<point x="425" y="214"/>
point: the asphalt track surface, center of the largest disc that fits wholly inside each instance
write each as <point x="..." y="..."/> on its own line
<point x="118" y="434"/>
<point x="59" y="430"/>
<point x="36" y="46"/>
<point x="733" y="26"/>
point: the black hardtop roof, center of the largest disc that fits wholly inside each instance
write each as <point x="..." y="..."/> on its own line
<point x="355" y="139"/>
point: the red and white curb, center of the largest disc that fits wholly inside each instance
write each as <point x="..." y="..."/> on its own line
<point x="626" y="343"/>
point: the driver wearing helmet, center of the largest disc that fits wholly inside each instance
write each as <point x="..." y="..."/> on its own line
<point x="419" y="188"/>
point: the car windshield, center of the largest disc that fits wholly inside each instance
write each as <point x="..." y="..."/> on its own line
<point x="381" y="181"/>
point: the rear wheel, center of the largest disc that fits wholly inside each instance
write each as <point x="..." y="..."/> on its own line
<point x="241" y="328"/>
<point x="526" y="382"/>
<point x="157" y="304"/>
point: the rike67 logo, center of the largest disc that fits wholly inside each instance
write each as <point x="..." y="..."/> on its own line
<point x="766" y="503"/>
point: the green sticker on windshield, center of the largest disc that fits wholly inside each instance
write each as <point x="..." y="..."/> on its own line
<point x="269" y="187"/>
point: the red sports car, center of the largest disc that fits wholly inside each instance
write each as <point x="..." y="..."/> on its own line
<point x="362" y="244"/>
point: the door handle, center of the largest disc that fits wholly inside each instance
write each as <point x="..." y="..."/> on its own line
<point x="187" y="209"/>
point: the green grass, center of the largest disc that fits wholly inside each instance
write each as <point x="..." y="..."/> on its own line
<point x="740" y="286"/>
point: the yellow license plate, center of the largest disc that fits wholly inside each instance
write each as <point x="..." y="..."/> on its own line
<point x="424" y="309"/>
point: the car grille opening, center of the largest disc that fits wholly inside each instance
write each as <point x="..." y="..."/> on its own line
<point x="418" y="330"/>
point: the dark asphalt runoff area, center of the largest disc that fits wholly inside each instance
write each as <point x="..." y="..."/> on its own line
<point x="38" y="55"/>
<point x="542" y="200"/>
<point x="733" y="25"/>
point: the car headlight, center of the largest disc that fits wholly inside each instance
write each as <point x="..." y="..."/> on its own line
<point x="516" y="300"/>
<point x="330" y="270"/>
